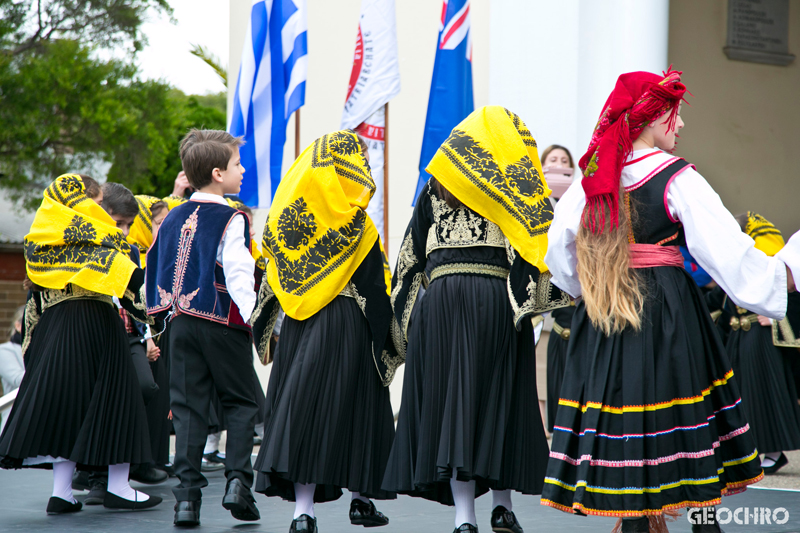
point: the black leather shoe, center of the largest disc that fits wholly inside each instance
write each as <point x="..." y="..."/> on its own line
<point x="148" y="475"/>
<point x="112" y="501"/>
<point x="465" y="528"/>
<point x="240" y="502"/>
<point x="187" y="514"/>
<point x="640" y="525"/>
<point x="97" y="493"/>
<point x="780" y="463"/>
<point x="365" y="514"/>
<point x="504" y="521"/>
<point x="80" y="480"/>
<point x="304" y="524"/>
<point x="58" y="506"/>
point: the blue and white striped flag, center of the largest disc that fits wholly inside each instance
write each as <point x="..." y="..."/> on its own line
<point x="271" y="86"/>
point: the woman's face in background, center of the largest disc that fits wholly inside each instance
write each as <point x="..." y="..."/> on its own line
<point x="557" y="158"/>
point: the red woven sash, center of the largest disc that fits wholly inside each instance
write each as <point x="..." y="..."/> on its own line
<point x="652" y="255"/>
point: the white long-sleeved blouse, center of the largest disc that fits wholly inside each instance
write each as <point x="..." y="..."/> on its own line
<point x="752" y="279"/>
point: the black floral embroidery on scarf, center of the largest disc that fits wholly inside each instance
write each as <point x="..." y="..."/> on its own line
<point x="519" y="179"/>
<point x="79" y="230"/>
<point x="344" y="143"/>
<point x="296" y="225"/>
<point x="80" y="248"/>
<point x="317" y="261"/>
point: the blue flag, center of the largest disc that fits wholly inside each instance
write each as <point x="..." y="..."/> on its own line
<point x="270" y="87"/>
<point x="451" y="99"/>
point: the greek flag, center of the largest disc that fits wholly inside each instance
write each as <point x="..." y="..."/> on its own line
<point x="270" y="87"/>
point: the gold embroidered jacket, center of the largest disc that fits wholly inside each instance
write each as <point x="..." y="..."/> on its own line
<point x="435" y="226"/>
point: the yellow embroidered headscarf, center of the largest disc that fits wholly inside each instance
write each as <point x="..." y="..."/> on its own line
<point x="491" y="164"/>
<point x="73" y="240"/>
<point x="141" y="233"/>
<point x="768" y="238"/>
<point x="318" y="232"/>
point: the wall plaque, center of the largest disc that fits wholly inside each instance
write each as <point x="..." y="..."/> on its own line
<point x="758" y="31"/>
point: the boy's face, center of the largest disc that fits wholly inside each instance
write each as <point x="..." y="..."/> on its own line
<point x="232" y="176"/>
<point x="124" y="223"/>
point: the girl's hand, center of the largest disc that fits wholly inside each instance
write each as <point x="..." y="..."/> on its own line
<point x="153" y="351"/>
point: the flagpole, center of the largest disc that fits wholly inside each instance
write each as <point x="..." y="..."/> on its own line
<point x="297" y="133"/>
<point x="386" y="180"/>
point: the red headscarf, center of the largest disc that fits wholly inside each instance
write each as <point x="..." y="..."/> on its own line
<point x="637" y="100"/>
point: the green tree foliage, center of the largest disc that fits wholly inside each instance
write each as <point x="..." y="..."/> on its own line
<point x="71" y="98"/>
<point x="202" y="112"/>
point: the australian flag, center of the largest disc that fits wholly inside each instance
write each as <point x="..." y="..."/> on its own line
<point x="451" y="97"/>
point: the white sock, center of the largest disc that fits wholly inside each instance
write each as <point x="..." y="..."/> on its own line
<point x="358" y="496"/>
<point x="304" y="499"/>
<point x="62" y="480"/>
<point x="501" y="497"/>
<point x="118" y="483"/>
<point x="260" y="430"/>
<point x="770" y="459"/>
<point x="212" y="443"/>
<point x="464" y="498"/>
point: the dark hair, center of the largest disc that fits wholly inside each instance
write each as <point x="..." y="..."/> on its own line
<point x="363" y="142"/>
<point x="157" y="207"/>
<point x="246" y="210"/>
<point x="552" y="147"/>
<point x="91" y="187"/>
<point x="118" y="200"/>
<point x="444" y="194"/>
<point x="204" y="150"/>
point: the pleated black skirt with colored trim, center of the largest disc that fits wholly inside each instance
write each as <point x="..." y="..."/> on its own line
<point x="329" y="418"/>
<point x="769" y="396"/>
<point x="650" y="420"/>
<point x="469" y="395"/>
<point x="80" y="398"/>
<point x="557" y="362"/>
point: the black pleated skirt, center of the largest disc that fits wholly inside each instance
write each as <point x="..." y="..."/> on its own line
<point x="80" y="398"/>
<point x="769" y="396"/>
<point x="469" y="395"/>
<point x="652" y="420"/>
<point x="328" y="418"/>
<point x="556" y="363"/>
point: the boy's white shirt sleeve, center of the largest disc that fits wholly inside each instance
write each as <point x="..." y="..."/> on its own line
<point x="751" y="278"/>
<point x="239" y="267"/>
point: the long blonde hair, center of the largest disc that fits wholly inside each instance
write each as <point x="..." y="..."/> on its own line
<point x="613" y="293"/>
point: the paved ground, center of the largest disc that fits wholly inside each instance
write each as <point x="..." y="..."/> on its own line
<point x="24" y="494"/>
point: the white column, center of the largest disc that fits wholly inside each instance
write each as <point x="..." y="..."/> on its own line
<point x="555" y="63"/>
<point x="616" y="36"/>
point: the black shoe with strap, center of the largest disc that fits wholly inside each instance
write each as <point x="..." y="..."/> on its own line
<point x="60" y="506"/>
<point x="112" y="501"/>
<point x="466" y="528"/>
<point x="240" y="502"/>
<point x="504" y="521"/>
<point x="365" y="514"/>
<point x="187" y="514"/>
<point x="304" y="524"/>
<point x="780" y="463"/>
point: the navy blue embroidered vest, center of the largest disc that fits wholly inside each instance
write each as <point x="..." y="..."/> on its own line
<point x="182" y="269"/>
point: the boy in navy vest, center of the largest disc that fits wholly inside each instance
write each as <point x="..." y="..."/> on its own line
<point x="200" y="271"/>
